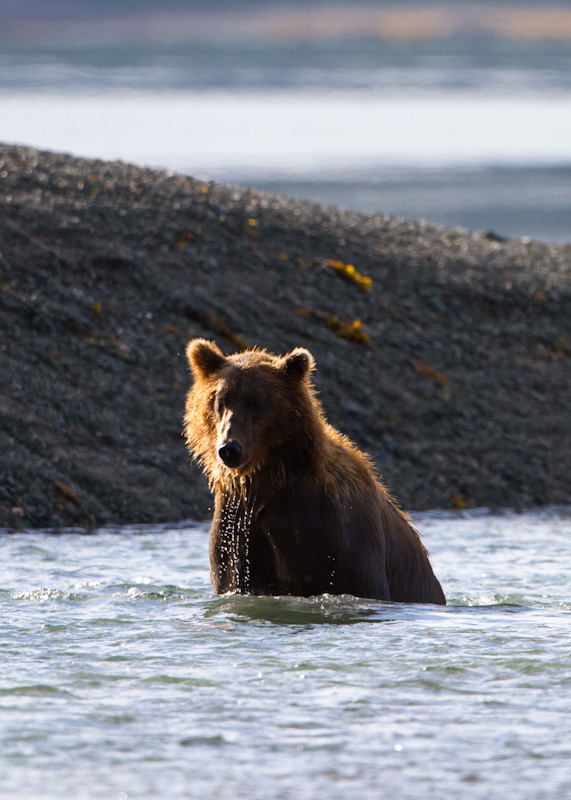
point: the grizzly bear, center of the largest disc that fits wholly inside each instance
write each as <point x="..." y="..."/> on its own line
<point x="298" y="509"/>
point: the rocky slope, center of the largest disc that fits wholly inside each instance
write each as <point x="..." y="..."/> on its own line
<point x="445" y="355"/>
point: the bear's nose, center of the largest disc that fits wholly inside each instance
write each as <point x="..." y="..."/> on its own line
<point x="230" y="453"/>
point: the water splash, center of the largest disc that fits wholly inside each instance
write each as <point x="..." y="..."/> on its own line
<point x="236" y="522"/>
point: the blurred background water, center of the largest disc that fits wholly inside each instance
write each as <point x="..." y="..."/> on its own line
<point x="123" y="676"/>
<point x="456" y="113"/>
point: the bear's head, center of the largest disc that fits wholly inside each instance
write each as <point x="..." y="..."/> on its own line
<point x="243" y="407"/>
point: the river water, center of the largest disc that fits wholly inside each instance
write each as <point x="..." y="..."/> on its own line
<point x="123" y="676"/>
<point x="466" y="130"/>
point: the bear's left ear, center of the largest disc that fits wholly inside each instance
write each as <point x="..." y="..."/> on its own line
<point x="204" y="357"/>
<point x="298" y="364"/>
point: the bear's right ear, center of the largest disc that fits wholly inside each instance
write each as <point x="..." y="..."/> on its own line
<point x="204" y="358"/>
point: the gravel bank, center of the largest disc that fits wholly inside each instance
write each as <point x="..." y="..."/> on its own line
<point x="451" y="366"/>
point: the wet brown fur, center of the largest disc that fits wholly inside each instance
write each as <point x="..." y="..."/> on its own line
<point x="305" y="512"/>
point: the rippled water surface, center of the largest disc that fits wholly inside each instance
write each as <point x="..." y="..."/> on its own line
<point x="123" y="676"/>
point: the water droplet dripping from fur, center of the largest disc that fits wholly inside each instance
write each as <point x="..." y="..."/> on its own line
<point x="237" y="515"/>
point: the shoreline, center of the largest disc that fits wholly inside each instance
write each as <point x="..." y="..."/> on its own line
<point x="451" y="367"/>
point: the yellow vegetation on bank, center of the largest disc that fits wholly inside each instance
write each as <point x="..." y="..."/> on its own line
<point x="350" y="274"/>
<point x="351" y="331"/>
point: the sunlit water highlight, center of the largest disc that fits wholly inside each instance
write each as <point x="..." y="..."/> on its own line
<point x="249" y="135"/>
<point x="124" y="676"/>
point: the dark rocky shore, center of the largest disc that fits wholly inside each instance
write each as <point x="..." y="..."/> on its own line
<point x="451" y="366"/>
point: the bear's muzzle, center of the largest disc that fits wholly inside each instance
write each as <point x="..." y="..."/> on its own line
<point x="230" y="453"/>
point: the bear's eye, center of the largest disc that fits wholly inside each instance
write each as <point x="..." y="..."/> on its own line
<point x="218" y="407"/>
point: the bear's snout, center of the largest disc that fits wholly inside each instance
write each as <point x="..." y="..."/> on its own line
<point x="230" y="453"/>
